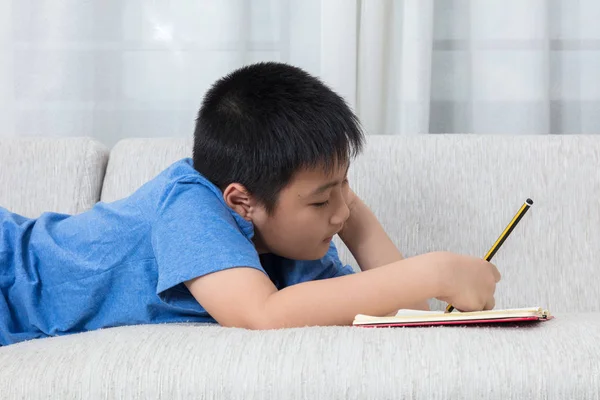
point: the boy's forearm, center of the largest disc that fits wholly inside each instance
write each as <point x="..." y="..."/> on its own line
<point x="369" y="243"/>
<point x="337" y="301"/>
<point x="367" y="240"/>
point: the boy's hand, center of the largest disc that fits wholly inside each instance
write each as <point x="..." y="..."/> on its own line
<point x="468" y="283"/>
<point x="350" y="198"/>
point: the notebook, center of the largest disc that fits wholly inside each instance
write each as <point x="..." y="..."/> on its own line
<point x="432" y="318"/>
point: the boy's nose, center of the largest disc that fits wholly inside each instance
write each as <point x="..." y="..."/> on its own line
<point x="341" y="215"/>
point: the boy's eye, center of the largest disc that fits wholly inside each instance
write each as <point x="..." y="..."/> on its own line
<point x="323" y="204"/>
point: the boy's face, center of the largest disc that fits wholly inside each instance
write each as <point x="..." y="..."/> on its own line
<point x="310" y="210"/>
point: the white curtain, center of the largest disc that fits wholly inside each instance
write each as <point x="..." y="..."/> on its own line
<point x="112" y="69"/>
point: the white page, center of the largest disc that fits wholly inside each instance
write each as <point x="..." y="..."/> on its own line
<point x="407" y="312"/>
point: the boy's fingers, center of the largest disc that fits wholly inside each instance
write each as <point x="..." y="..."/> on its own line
<point x="496" y="273"/>
<point x="490" y="304"/>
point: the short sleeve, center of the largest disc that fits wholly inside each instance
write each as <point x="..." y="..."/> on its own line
<point x="195" y="234"/>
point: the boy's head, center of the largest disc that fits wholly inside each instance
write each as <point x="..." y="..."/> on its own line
<point x="269" y="135"/>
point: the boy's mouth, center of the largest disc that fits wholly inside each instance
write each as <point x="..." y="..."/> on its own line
<point x="330" y="238"/>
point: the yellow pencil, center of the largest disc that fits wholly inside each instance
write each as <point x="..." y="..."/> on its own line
<point x="488" y="257"/>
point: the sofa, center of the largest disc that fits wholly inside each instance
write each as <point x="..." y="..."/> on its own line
<point x="453" y="192"/>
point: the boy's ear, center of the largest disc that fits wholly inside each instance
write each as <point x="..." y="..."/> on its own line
<point x="240" y="200"/>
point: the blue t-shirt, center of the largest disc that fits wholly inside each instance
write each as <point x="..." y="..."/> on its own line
<point x="124" y="263"/>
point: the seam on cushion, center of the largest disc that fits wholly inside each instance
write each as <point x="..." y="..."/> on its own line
<point x="80" y="186"/>
<point x="104" y="172"/>
<point x="88" y="173"/>
<point x="108" y="161"/>
<point x="105" y="158"/>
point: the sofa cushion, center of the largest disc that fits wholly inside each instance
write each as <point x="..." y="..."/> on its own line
<point x="50" y="174"/>
<point x="458" y="192"/>
<point x="134" y="162"/>
<point x="557" y="359"/>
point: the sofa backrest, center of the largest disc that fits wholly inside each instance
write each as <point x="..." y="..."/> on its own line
<point x="457" y="193"/>
<point x="134" y="162"/>
<point x="50" y="174"/>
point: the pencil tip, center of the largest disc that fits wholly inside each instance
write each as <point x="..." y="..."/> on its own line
<point x="529" y="201"/>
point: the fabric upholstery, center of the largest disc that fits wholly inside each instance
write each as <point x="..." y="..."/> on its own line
<point x="458" y="193"/>
<point x="134" y="162"/>
<point x="557" y="359"/>
<point x="50" y="174"/>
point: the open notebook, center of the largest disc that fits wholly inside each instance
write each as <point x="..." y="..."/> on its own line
<point x="429" y="318"/>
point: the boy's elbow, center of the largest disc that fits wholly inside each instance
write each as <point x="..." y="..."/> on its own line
<point x="260" y="326"/>
<point x="254" y="323"/>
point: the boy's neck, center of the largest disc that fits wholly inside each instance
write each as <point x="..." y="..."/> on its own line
<point x="259" y="245"/>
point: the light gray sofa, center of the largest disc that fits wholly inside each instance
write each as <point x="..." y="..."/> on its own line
<point x="431" y="192"/>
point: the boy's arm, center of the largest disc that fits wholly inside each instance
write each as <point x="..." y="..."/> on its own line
<point x="368" y="242"/>
<point x="245" y="297"/>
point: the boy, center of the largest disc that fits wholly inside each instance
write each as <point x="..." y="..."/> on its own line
<point x="241" y="234"/>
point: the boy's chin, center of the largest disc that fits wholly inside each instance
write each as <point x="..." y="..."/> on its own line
<point x="320" y="252"/>
<point x="312" y="255"/>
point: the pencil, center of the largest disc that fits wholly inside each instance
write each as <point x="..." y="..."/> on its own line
<point x="509" y="228"/>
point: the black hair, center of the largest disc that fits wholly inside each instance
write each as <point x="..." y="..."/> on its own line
<point x="261" y="123"/>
